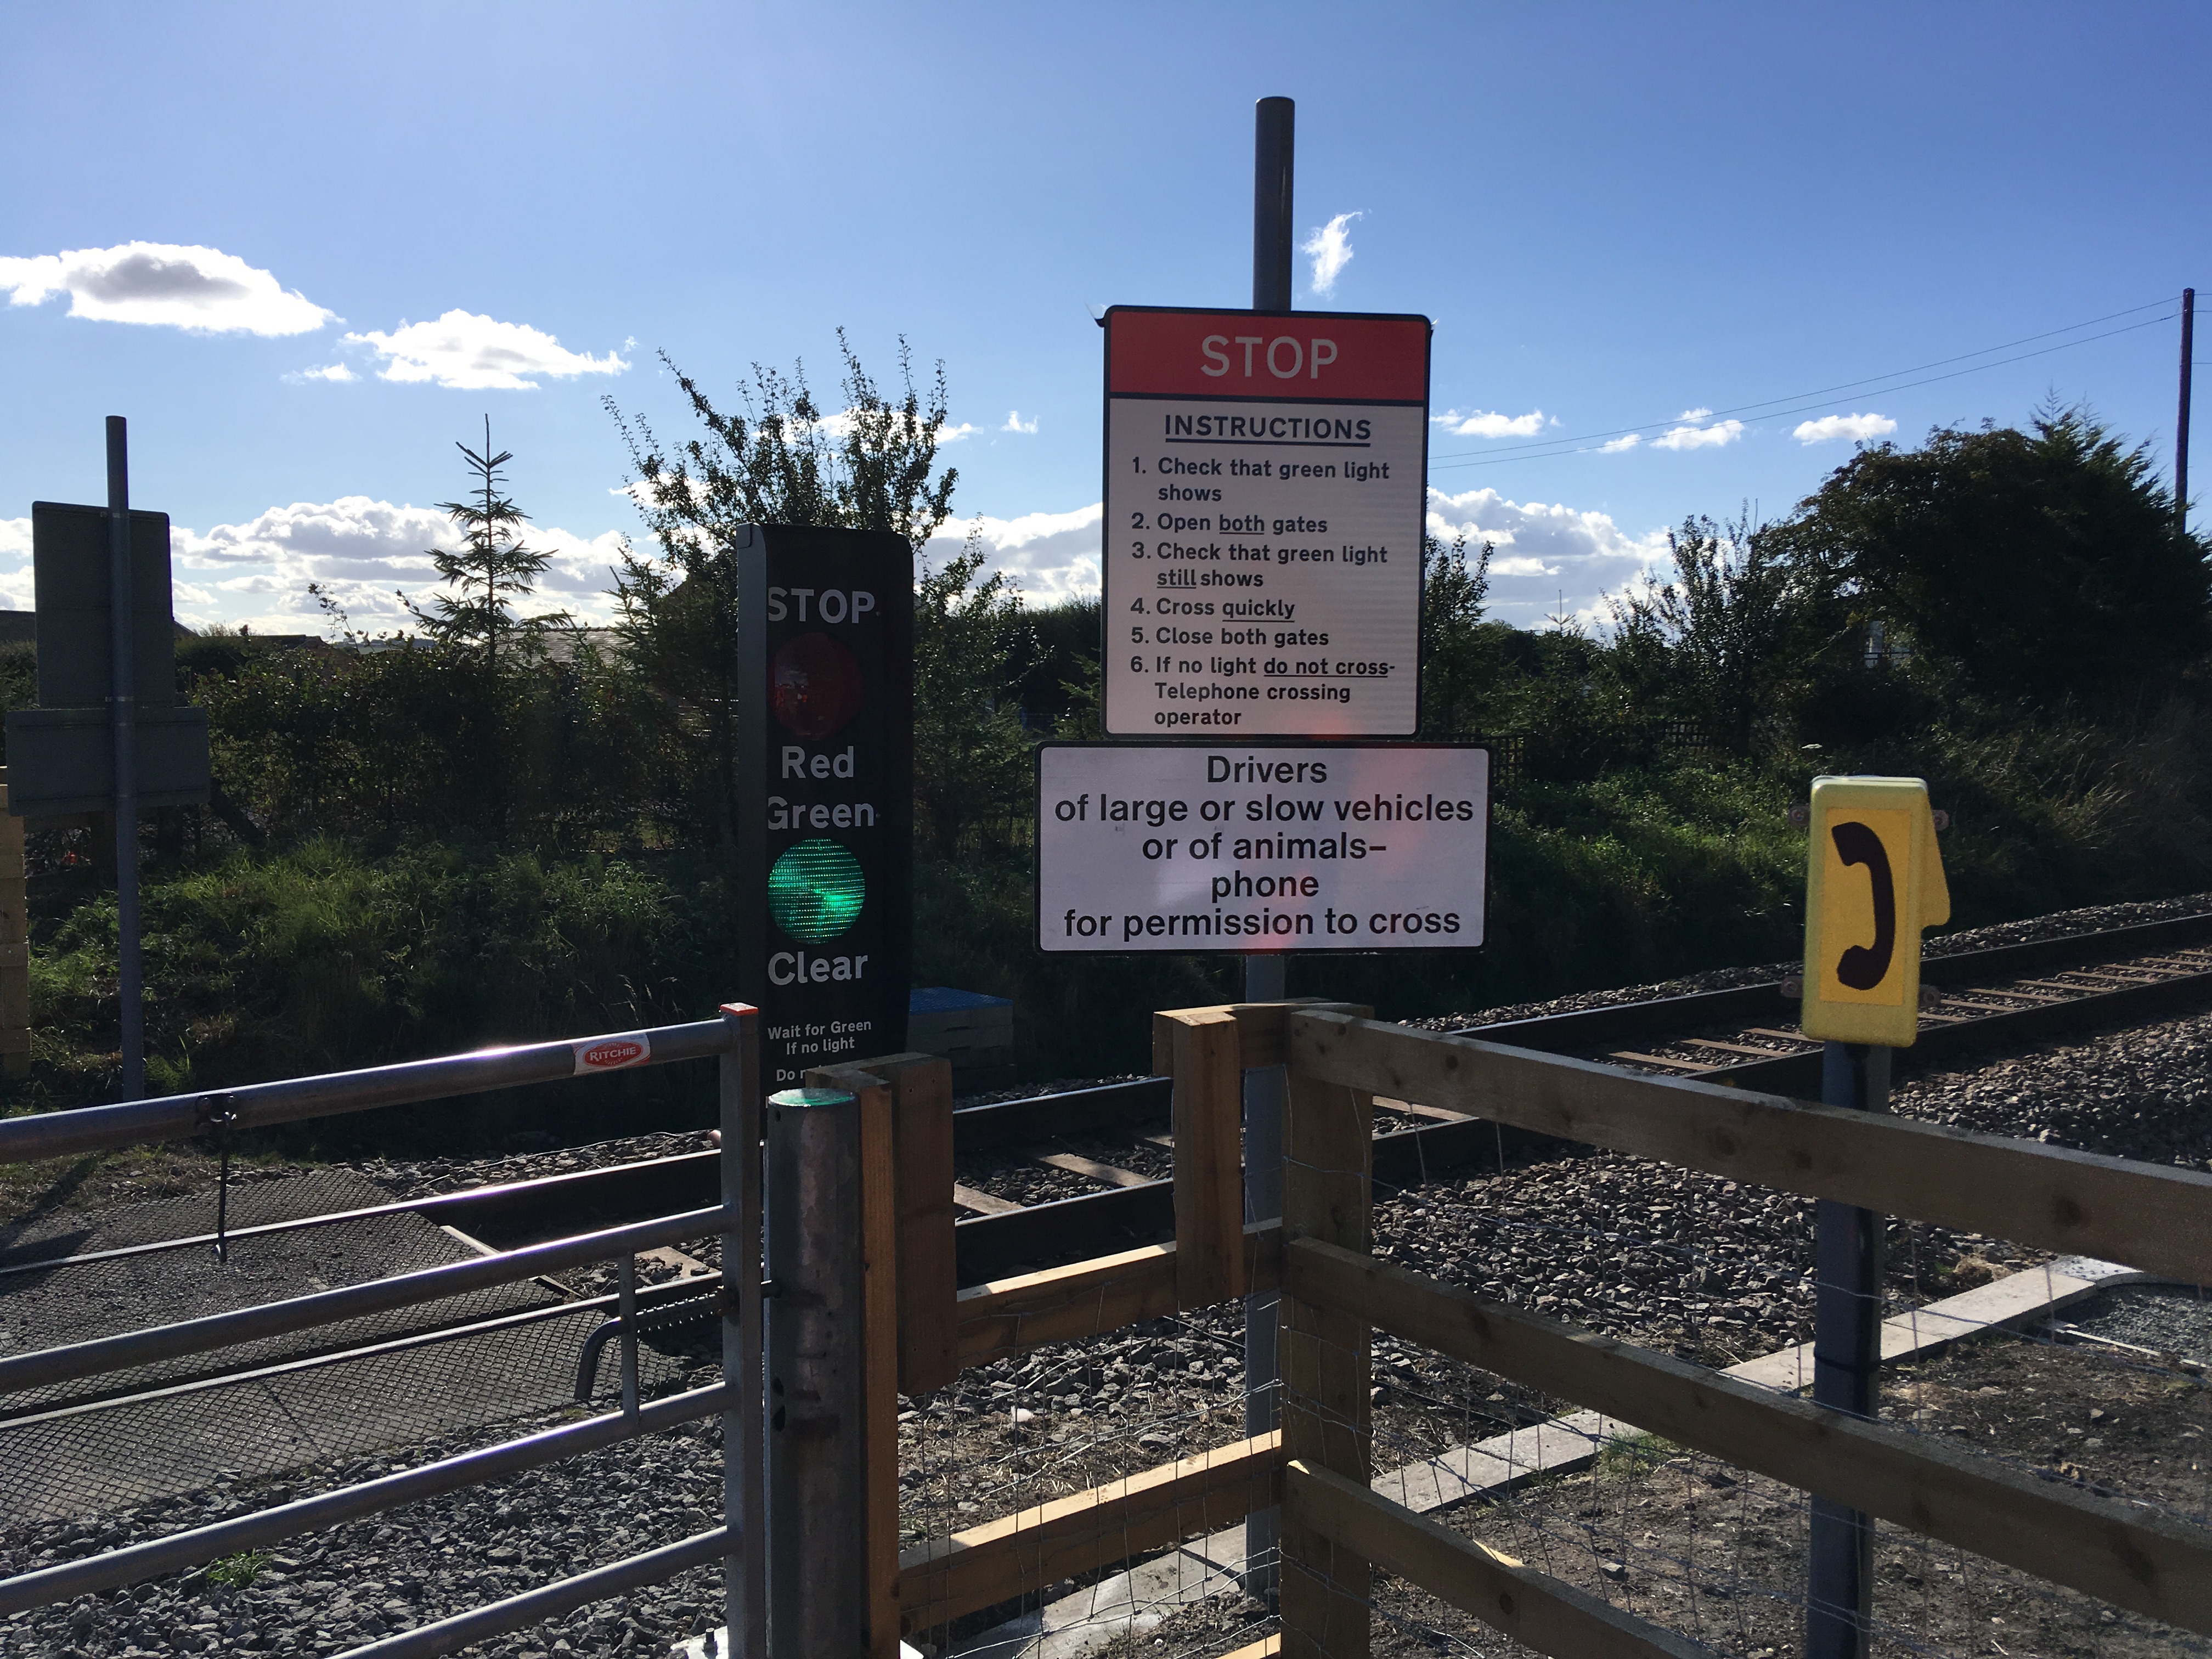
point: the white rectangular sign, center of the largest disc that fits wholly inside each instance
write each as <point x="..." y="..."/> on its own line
<point x="1243" y="848"/>
<point x="1265" y="478"/>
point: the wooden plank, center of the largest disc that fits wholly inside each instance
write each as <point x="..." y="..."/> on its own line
<point x="929" y="1271"/>
<point x="1262" y="1034"/>
<point x="1209" y="1197"/>
<point x="1090" y="1298"/>
<point x="1533" y="1608"/>
<point x="1112" y="1174"/>
<point x="1023" y="1552"/>
<point x="1266" y="1648"/>
<point x="1661" y="1059"/>
<point x="2153" y="1217"/>
<point x="1326" y="1361"/>
<point x="969" y="1198"/>
<point x="879" y="1351"/>
<point x="2133" y="1557"/>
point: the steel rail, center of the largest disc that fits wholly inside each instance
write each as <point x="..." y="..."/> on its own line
<point x="1626" y="1021"/>
<point x="548" y="1600"/>
<point x="172" y="1554"/>
<point x="140" y="1347"/>
<point x="177" y="1117"/>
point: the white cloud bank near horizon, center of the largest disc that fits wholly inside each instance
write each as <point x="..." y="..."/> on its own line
<point x="1540" y="549"/>
<point x="358" y="548"/>
<point x="164" y="284"/>
<point x="361" y="550"/>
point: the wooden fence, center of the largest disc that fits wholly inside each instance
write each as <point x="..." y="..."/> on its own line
<point x="923" y="1332"/>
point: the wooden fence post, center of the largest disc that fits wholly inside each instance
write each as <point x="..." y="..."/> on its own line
<point x="879" y="1303"/>
<point x="1328" y="1195"/>
<point x="1202" y="1049"/>
<point x="928" y="1278"/>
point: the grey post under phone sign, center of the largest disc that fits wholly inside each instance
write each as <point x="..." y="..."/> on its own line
<point x="123" y="711"/>
<point x="1846" y="1368"/>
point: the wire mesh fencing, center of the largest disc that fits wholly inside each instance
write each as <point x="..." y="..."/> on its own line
<point x="2101" y="1389"/>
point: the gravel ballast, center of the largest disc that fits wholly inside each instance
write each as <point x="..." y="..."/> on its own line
<point x="1689" y="1263"/>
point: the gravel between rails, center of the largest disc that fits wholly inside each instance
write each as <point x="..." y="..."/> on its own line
<point x="1673" y="1258"/>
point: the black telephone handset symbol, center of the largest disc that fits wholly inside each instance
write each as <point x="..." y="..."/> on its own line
<point x="1860" y="968"/>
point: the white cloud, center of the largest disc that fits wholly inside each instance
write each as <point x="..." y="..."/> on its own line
<point x="953" y="434"/>
<point x="1858" y="428"/>
<point x="1476" y="424"/>
<point x="477" y="353"/>
<point x="1053" y="555"/>
<point x="1627" y="442"/>
<point x="15" y="564"/>
<point x="1544" y="551"/>
<point x="1330" y="250"/>
<point x="360" y="549"/>
<point x="334" y="371"/>
<point x="201" y="289"/>
<point x="1693" y="414"/>
<point x="1016" y="424"/>
<point x="1715" y="436"/>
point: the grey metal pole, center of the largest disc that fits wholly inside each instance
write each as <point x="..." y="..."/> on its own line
<point x="1275" y="126"/>
<point x="1273" y="154"/>
<point x="1846" y="1368"/>
<point x="744" y="1503"/>
<point x="2181" y="416"/>
<point x="817" y="1580"/>
<point x="123" y="713"/>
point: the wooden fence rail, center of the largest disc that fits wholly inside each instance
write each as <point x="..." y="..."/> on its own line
<point x="2148" y="1216"/>
<point x="2129" y="1555"/>
<point x="1335" y="1528"/>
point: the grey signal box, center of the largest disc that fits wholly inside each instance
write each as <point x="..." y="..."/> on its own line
<point x="61" y="755"/>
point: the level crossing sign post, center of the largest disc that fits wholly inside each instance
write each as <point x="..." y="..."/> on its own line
<point x="825" y="636"/>
<point x="108" y="734"/>
<point x="1873" y="880"/>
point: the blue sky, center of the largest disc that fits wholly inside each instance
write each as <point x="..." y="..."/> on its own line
<point x="1617" y="215"/>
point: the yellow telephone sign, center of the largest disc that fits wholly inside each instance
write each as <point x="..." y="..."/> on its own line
<point x="1872" y="880"/>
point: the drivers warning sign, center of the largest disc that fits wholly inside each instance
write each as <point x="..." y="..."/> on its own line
<point x="1265" y="478"/>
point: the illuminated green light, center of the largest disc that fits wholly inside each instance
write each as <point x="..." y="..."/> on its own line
<point x="816" y="890"/>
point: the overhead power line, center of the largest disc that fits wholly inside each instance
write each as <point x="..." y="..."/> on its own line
<point x="1547" y="448"/>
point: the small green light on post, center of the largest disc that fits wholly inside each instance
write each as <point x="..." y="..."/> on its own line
<point x="816" y="890"/>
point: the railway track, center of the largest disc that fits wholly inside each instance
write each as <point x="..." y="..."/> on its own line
<point x="1111" y="1144"/>
<point x="1114" y="1136"/>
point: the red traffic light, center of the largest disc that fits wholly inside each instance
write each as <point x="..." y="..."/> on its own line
<point x="815" y="685"/>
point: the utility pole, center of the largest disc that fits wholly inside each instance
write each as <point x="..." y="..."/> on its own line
<point x="1273" y="131"/>
<point x="2181" y="419"/>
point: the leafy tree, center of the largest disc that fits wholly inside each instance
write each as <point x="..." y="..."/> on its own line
<point x="971" y="751"/>
<point x="1718" y="638"/>
<point x="1460" y="657"/>
<point x="871" y="465"/>
<point x="490" y="571"/>
<point x="2040" y="563"/>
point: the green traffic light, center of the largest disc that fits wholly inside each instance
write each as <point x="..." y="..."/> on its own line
<point x="816" y="890"/>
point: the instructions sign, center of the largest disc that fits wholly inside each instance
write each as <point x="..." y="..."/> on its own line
<point x="1248" y="847"/>
<point x="1266" y="476"/>
<point x="1873" y="878"/>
